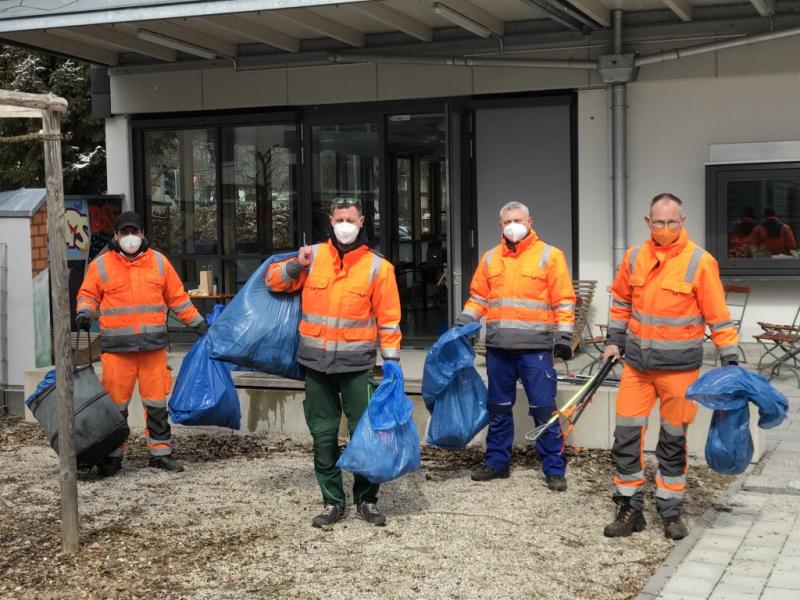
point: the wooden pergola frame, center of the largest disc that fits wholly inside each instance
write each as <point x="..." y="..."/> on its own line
<point x="49" y="109"/>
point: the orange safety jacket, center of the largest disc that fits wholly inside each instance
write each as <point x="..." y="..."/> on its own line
<point x="663" y="297"/>
<point x="347" y="303"/>
<point x="132" y="297"/>
<point x="526" y="295"/>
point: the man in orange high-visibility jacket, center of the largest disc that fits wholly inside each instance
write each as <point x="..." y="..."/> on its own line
<point x="349" y="301"/>
<point x="524" y="289"/>
<point x="130" y="288"/>
<point x="665" y="293"/>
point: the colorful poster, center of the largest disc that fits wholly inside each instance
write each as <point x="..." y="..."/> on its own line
<point x="78" y="233"/>
<point x="103" y="212"/>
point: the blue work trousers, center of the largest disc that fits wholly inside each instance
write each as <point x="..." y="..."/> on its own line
<point x="535" y="369"/>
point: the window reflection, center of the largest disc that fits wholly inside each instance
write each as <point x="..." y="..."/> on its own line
<point x="764" y="217"/>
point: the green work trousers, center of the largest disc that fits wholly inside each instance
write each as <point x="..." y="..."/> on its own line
<point x="326" y="396"/>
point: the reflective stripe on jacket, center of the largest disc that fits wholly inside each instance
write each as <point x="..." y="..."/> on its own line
<point x="347" y="305"/>
<point x="526" y="295"/>
<point x="131" y="298"/>
<point x="662" y="299"/>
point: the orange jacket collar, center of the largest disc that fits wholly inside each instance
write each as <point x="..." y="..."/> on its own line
<point x="522" y="245"/>
<point x="350" y="258"/>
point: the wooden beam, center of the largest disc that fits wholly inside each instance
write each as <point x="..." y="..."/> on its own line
<point x="116" y="40"/>
<point x="395" y="19"/>
<point x="765" y="8"/>
<point x="252" y="31"/>
<point x="183" y="32"/>
<point x="48" y="41"/>
<point x="25" y="100"/>
<point x="326" y="27"/>
<point x="682" y="8"/>
<point x="594" y="10"/>
<point x="488" y="20"/>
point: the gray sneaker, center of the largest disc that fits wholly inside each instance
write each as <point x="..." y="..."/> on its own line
<point x="329" y="515"/>
<point x="370" y="513"/>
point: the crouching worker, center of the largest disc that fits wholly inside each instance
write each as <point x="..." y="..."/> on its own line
<point x="130" y="288"/>
<point x="665" y="293"/>
<point x="349" y="300"/>
<point x="524" y="289"/>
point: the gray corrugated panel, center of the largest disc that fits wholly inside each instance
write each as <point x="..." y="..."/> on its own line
<point x="22" y="203"/>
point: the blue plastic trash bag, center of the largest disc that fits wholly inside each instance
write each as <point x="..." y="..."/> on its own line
<point x="47" y="381"/>
<point x="729" y="388"/>
<point x="259" y="328"/>
<point x="204" y="393"/>
<point x="385" y="444"/>
<point x="729" y="446"/>
<point x="453" y="390"/>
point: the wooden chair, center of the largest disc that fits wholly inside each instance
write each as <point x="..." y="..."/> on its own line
<point x="736" y="298"/>
<point x="781" y="343"/>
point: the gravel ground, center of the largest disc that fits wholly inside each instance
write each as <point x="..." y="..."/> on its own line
<point x="236" y="524"/>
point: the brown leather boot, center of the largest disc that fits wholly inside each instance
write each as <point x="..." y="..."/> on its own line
<point x="628" y="521"/>
<point x="674" y="529"/>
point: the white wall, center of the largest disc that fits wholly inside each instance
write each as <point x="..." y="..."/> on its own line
<point x="119" y="161"/>
<point x="21" y="352"/>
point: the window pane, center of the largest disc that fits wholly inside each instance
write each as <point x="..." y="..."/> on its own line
<point x="425" y="197"/>
<point x="763" y="218"/>
<point x="345" y="163"/>
<point x="180" y="188"/>
<point x="259" y="188"/>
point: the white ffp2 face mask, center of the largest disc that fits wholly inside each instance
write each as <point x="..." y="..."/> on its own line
<point x="346" y="232"/>
<point x="130" y="244"/>
<point x="514" y="232"/>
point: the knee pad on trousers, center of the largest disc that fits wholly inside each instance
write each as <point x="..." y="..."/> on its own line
<point x="500" y="409"/>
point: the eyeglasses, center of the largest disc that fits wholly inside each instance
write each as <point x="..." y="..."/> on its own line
<point x="662" y="224"/>
<point x="346" y="202"/>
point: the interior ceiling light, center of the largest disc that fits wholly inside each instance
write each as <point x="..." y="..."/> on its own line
<point x="168" y="42"/>
<point x="462" y="21"/>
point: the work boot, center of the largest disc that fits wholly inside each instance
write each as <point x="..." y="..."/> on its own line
<point x="167" y="463"/>
<point x="485" y="473"/>
<point x="557" y="483"/>
<point x="369" y="512"/>
<point x="109" y="466"/>
<point x="329" y="515"/>
<point x="628" y="521"/>
<point x="674" y="529"/>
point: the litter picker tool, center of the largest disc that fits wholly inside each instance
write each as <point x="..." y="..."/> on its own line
<point x="575" y="406"/>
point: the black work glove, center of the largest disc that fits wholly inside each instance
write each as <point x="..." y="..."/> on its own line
<point x="731" y="362"/>
<point x="201" y="328"/>
<point x="83" y="321"/>
<point x="562" y="351"/>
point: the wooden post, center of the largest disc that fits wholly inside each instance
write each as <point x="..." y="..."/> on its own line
<point x="56" y="226"/>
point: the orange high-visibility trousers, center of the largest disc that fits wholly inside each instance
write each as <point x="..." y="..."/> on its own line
<point x="637" y="395"/>
<point x="120" y="373"/>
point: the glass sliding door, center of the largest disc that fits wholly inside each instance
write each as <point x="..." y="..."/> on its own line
<point x="345" y="162"/>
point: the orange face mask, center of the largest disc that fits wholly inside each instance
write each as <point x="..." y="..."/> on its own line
<point x="665" y="236"/>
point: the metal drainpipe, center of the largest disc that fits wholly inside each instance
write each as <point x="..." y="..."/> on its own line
<point x="619" y="101"/>
<point x="3" y="327"/>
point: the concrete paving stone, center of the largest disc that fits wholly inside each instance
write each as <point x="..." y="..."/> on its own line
<point x="744" y="584"/>
<point x="765" y="481"/>
<point x="757" y="553"/>
<point x="701" y="569"/>
<point x="790" y="564"/>
<point x="747" y="503"/>
<point x="678" y="597"/>
<point x="713" y="541"/>
<point x="771" y="593"/>
<point x="695" y="587"/>
<point x="749" y="568"/>
<point x="729" y="592"/>
<point x="734" y="531"/>
<point x="729" y="519"/>
<point x="783" y="579"/>
<point x="762" y="526"/>
<point x="792" y="550"/>
<point x="783" y="517"/>
<point x="712" y="556"/>
<point x="766" y="540"/>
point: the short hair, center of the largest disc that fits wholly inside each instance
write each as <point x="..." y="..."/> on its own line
<point x="350" y="202"/>
<point x="665" y="196"/>
<point x="769" y="211"/>
<point x="515" y="206"/>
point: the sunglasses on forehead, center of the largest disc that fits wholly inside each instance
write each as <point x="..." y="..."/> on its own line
<point x="346" y="202"/>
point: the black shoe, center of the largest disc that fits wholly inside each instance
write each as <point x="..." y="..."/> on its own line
<point x="167" y="463"/>
<point x="628" y="521"/>
<point x="369" y="512"/>
<point x="109" y="466"/>
<point x="674" y="529"/>
<point x="485" y="473"/>
<point x="557" y="483"/>
<point x="329" y="515"/>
